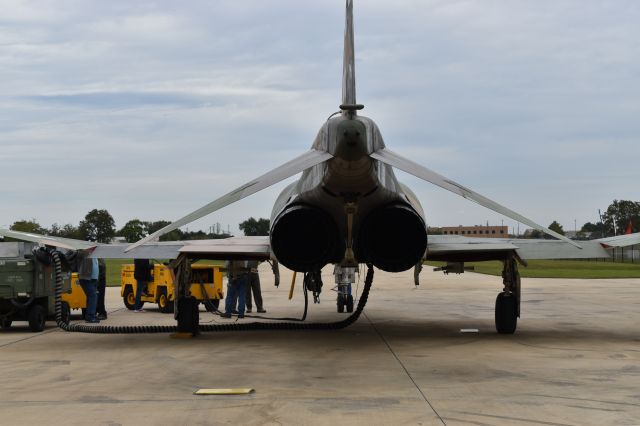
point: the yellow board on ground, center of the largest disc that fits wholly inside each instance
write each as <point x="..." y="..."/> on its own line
<point x="230" y="391"/>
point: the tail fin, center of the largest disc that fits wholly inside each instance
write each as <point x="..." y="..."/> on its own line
<point x="348" y="65"/>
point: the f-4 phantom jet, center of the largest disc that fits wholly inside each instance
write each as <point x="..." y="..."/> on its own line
<point x="348" y="208"/>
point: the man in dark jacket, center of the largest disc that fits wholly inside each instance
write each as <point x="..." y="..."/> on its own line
<point x="254" y="285"/>
<point x="142" y="274"/>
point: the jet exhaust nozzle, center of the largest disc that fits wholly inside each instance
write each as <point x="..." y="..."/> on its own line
<point x="305" y="238"/>
<point x="393" y="238"/>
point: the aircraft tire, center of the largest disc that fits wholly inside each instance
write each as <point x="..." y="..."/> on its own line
<point x="506" y="313"/>
<point x="349" y="303"/>
<point x="340" y="303"/>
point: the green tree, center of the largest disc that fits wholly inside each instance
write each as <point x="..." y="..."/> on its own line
<point x="174" y="235"/>
<point x="133" y="230"/>
<point x="254" y="227"/>
<point x="618" y="216"/>
<point x="596" y="229"/>
<point x="66" y="231"/>
<point x="98" y="225"/>
<point x="28" y="226"/>
<point x="536" y="234"/>
<point x="555" y="226"/>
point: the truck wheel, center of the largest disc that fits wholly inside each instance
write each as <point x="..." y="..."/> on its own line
<point x="212" y="305"/>
<point x="5" y="323"/>
<point x="65" y="313"/>
<point x="129" y="298"/>
<point x="166" y="306"/>
<point x="36" y="317"/>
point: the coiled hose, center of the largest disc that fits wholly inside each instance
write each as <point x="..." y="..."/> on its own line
<point x="133" y="329"/>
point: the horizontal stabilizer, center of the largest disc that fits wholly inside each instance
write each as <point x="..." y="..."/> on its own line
<point x="620" y="240"/>
<point x="404" y="164"/>
<point x="272" y="177"/>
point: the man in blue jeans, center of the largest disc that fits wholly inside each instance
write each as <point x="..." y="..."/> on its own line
<point x="238" y="275"/>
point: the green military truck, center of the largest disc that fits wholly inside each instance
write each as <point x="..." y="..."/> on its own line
<point x="27" y="285"/>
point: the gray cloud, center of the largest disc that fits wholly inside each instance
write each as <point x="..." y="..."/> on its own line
<point x="532" y="103"/>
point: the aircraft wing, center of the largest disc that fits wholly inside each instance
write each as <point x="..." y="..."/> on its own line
<point x="391" y="158"/>
<point x="295" y="166"/>
<point x="67" y="243"/>
<point x="454" y="248"/>
<point x="245" y="248"/>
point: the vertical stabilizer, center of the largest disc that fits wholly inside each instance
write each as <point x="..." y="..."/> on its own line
<point x="348" y="65"/>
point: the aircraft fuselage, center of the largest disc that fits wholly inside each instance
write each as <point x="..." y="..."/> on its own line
<point x="343" y="202"/>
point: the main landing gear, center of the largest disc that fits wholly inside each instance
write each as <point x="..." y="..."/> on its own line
<point x="508" y="302"/>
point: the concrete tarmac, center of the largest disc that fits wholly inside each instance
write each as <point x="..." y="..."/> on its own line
<point x="574" y="360"/>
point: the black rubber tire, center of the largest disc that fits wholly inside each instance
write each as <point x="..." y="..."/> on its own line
<point x="128" y="297"/>
<point x="340" y="303"/>
<point x="6" y="323"/>
<point x="164" y="304"/>
<point x="37" y="317"/>
<point x="349" y="303"/>
<point x="211" y="305"/>
<point x="506" y="313"/>
<point x="65" y="312"/>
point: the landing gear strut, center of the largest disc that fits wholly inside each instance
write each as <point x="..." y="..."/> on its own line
<point x="185" y="306"/>
<point x="345" y="276"/>
<point x="508" y="302"/>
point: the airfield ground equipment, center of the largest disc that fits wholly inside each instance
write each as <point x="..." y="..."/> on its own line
<point x="206" y="287"/>
<point x="75" y="298"/>
<point x="27" y="286"/>
<point x="183" y="268"/>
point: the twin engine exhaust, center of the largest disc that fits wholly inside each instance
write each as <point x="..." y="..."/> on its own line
<point x="305" y="238"/>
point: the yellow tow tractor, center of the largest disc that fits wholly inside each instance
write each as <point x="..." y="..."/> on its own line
<point x="74" y="299"/>
<point x="205" y="287"/>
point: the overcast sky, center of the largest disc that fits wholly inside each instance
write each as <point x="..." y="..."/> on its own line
<point x="151" y="109"/>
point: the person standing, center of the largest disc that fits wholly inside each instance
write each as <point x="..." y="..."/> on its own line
<point x="101" y="311"/>
<point x="87" y="270"/>
<point x="254" y="285"/>
<point x="142" y="275"/>
<point x="238" y="276"/>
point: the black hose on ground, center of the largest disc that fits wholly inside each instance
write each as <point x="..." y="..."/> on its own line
<point x="134" y="329"/>
<point x="302" y="326"/>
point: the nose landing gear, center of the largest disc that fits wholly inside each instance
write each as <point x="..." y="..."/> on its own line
<point x="345" y="276"/>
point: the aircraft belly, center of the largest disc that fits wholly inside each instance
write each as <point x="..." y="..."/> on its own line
<point x="327" y="193"/>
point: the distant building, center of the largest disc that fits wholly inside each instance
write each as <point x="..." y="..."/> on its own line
<point x="478" y="231"/>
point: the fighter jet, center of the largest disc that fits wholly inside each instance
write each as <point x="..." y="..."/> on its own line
<point x="348" y="208"/>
